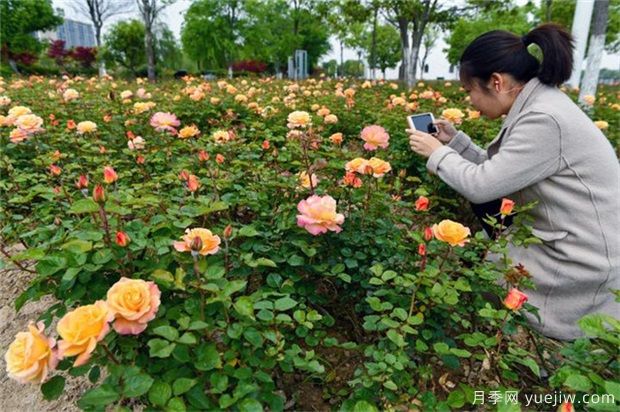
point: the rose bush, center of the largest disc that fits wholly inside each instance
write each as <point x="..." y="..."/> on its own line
<point x="359" y="279"/>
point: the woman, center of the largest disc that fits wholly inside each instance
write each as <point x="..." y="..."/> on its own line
<point x="547" y="151"/>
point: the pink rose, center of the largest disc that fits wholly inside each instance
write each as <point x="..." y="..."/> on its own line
<point x="375" y="136"/>
<point x="318" y="215"/>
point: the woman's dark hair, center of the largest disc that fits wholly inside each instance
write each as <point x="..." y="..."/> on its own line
<point x="504" y="52"/>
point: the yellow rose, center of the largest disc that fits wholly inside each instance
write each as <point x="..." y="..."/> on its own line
<point x="451" y="232"/>
<point x="331" y="119"/>
<point x="81" y="329"/>
<point x="453" y="115"/>
<point x="30" y="357"/>
<point x="601" y="124"/>
<point x="379" y="167"/>
<point x="298" y="119"/>
<point x="189" y="131"/>
<point x="221" y="136"/>
<point x="86" y="127"/>
<point x="215" y="100"/>
<point x="589" y="99"/>
<point x="241" y="98"/>
<point x="134" y="303"/>
<point x="29" y="123"/>
<point x="17" y="111"/>
<point x="357" y="165"/>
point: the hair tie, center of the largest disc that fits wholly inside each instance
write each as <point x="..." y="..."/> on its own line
<point x="525" y="40"/>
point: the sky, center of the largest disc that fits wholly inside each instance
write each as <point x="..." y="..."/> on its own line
<point x="173" y="17"/>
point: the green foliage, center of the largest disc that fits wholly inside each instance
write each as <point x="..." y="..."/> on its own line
<point x="507" y="17"/>
<point x="388" y="49"/>
<point x="125" y="44"/>
<point x="358" y="317"/>
<point x="21" y="18"/>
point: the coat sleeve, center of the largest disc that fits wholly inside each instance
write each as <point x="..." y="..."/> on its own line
<point x="468" y="149"/>
<point x="527" y="155"/>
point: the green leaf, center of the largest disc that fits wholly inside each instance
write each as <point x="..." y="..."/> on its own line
<point x="530" y="363"/>
<point x="137" y="385"/>
<point x="182" y="385"/>
<point x="188" y="338"/>
<point x="53" y="388"/>
<point x="441" y="348"/>
<point x="234" y="286"/>
<point x="248" y="231"/>
<point x="162" y="277"/>
<point x="613" y="388"/>
<point x="159" y="348"/>
<point x="50" y="265"/>
<point x="388" y="274"/>
<point x="396" y="337"/>
<point x="102" y="256"/>
<point x="390" y="385"/>
<point x="176" y="405"/>
<point x="245" y="306"/>
<point x="250" y="405"/>
<point x="364" y="406"/>
<point x="265" y="262"/>
<point x="295" y="260"/>
<point x="285" y="303"/>
<point x="253" y="336"/>
<point x="84" y="206"/>
<point x="167" y="332"/>
<point x="400" y="313"/>
<point x="207" y="357"/>
<point x="100" y="396"/>
<point x="159" y="393"/>
<point x="578" y="382"/>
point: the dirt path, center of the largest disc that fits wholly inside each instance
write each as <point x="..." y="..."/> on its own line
<point x="16" y="397"/>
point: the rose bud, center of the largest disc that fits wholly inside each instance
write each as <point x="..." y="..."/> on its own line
<point x="140" y="159"/>
<point x="428" y="234"/>
<point x="184" y="175"/>
<point x="421" y="249"/>
<point x="55" y="170"/>
<point x="203" y="156"/>
<point x="82" y="182"/>
<point x="122" y="239"/>
<point x="193" y="183"/>
<point x="196" y="244"/>
<point x="228" y="231"/>
<point x="507" y="206"/>
<point x="421" y="204"/>
<point x="515" y="299"/>
<point x="219" y="159"/>
<point x="99" y="194"/>
<point x="109" y="175"/>
<point x="265" y="145"/>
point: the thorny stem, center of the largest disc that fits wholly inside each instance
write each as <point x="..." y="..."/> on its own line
<point x="110" y="354"/>
<point x="106" y="225"/>
<point x="19" y="265"/>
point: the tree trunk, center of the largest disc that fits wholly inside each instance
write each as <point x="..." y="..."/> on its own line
<point x="150" y="53"/>
<point x="13" y="65"/>
<point x="405" y="51"/>
<point x="341" y="71"/>
<point x="548" y="10"/>
<point x="373" y="46"/>
<point x="595" y="49"/>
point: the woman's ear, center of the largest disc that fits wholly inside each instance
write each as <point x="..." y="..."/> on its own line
<point x="497" y="82"/>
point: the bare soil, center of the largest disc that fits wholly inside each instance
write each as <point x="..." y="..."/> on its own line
<point x="16" y="397"/>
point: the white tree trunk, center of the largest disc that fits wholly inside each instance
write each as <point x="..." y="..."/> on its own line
<point x="409" y="66"/>
<point x="230" y="72"/>
<point x="580" y="30"/>
<point x="102" y="71"/>
<point x="595" y="49"/>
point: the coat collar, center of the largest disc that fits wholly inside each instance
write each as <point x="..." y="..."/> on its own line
<point x="520" y="101"/>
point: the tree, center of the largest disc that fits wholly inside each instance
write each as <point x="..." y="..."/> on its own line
<point x="267" y="32"/>
<point x="149" y="11"/>
<point x="387" y="48"/>
<point x="19" y="20"/>
<point x="411" y="17"/>
<point x="466" y="29"/>
<point x="98" y="11"/>
<point x="595" y="49"/>
<point x="562" y="12"/>
<point x="84" y="55"/>
<point x="125" y="44"/>
<point x="428" y="41"/>
<point x="57" y="51"/>
<point x="167" y="49"/>
<point x="210" y="33"/>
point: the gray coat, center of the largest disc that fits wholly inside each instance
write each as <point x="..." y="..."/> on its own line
<point x="550" y="151"/>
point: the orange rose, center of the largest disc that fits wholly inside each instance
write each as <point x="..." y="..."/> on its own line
<point x="507" y="206"/>
<point x="379" y="167"/>
<point x="81" y="329"/>
<point x="31" y="356"/>
<point x="515" y="299"/>
<point x="422" y="203"/>
<point x="188" y="131"/>
<point x="134" y="302"/>
<point x="451" y="232"/>
<point x="357" y="165"/>
<point x="200" y="241"/>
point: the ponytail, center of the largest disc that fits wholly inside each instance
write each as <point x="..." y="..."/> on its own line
<point x="557" y="49"/>
<point x="500" y="51"/>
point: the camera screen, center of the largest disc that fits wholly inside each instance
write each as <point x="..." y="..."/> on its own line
<point x="423" y="123"/>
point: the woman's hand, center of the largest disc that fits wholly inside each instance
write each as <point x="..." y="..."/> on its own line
<point x="423" y="143"/>
<point x="445" y="130"/>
